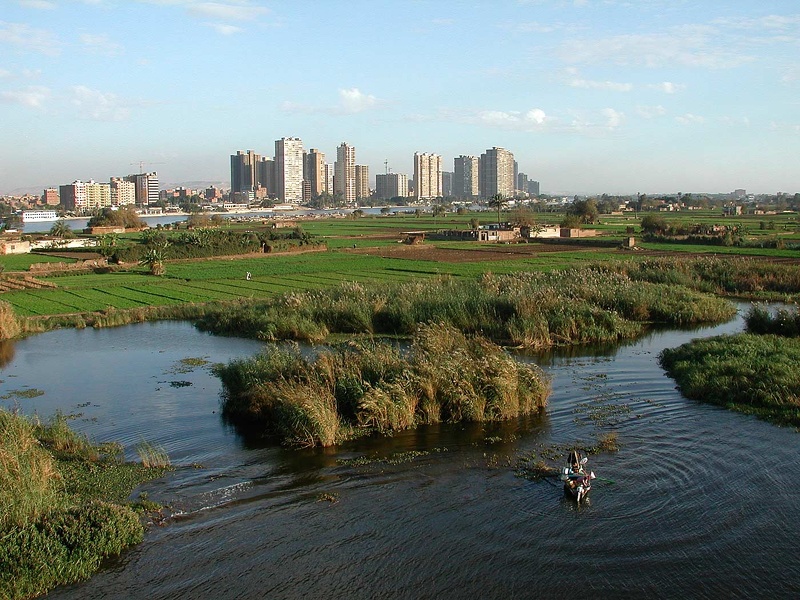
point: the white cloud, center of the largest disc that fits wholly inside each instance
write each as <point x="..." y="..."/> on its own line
<point x="32" y="96"/>
<point x="223" y="28"/>
<point x="226" y="11"/>
<point x="690" y="119"/>
<point x="37" y="4"/>
<point x="98" y="106"/>
<point x="26" y="37"/>
<point x="735" y="121"/>
<point x="536" y="115"/>
<point x="600" y="85"/>
<point x="99" y="43"/>
<point x="534" y="119"/>
<point x="667" y="87"/>
<point x="351" y="101"/>
<point x="354" y="101"/>
<point x="613" y="117"/>
<point x="693" y="46"/>
<point x="651" y="112"/>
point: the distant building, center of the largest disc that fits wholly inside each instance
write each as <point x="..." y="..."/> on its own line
<point x="344" y="180"/>
<point x="147" y="188"/>
<point x="244" y="177"/>
<point x="427" y="176"/>
<point x="314" y="172"/>
<point x="465" y="177"/>
<point x="213" y="194"/>
<point x="98" y="195"/>
<point x="496" y="173"/>
<point x="391" y="185"/>
<point x="265" y="177"/>
<point x="533" y="187"/>
<point x="289" y="170"/>
<point x="329" y="174"/>
<point x="50" y="197"/>
<point x="522" y="183"/>
<point x="447" y="183"/>
<point x="73" y="196"/>
<point x="739" y="193"/>
<point x="123" y="192"/>
<point x="362" y="182"/>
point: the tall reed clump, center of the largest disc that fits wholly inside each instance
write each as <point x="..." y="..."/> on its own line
<point x="446" y="376"/>
<point x="782" y="322"/>
<point x="532" y="310"/>
<point x="60" y="505"/>
<point x="9" y="325"/>
<point x="754" y="374"/>
<point x="29" y="479"/>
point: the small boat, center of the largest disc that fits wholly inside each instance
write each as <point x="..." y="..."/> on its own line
<point x="577" y="482"/>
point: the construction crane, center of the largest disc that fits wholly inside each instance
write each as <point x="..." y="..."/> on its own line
<point x="142" y="163"/>
<point x="386" y="165"/>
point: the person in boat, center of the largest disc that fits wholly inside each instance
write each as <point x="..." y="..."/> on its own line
<point x="576" y="472"/>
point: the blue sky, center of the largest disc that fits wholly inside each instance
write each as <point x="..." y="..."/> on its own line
<point x="591" y="96"/>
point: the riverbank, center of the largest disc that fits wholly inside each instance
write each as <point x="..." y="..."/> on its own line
<point x="63" y="504"/>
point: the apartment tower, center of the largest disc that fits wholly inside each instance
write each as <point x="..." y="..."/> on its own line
<point x="465" y="177"/>
<point x="496" y="167"/>
<point x="427" y="176"/>
<point x="289" y="170"/>
<point x="344" y="180"/>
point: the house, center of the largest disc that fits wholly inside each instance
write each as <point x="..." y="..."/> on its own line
<point x="14" y="247"/>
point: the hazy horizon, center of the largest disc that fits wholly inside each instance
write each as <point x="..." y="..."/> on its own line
<point x="591" y="96"/>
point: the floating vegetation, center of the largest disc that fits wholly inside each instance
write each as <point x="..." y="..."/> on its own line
<point x="180" y="384"/>
<point x="397" y="458"/>
<point x="26" y="393"/>
<point x="603" y="411"/>
<point x="188" y="365"/>
<point x="331" y="497"/>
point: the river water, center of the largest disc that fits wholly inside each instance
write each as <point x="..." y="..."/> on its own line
<point x="697" y="503"/>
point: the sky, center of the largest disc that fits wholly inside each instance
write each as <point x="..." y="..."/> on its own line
<point x="591" y="96"/>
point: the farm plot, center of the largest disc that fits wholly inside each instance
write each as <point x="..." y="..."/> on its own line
<point x="43" y="302"/>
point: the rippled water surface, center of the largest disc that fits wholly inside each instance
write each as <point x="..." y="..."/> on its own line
<point x="698" y="502"/>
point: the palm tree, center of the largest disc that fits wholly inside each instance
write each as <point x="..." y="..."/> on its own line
<point x="61" y="229"/>
<point x="498" y="201"/>
<point x="154" y="260"/>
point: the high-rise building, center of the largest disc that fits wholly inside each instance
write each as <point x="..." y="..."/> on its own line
<point x="243" y="171"/>
<point x="50" y="197"/>
<point x="98" y="195"/>
<point x="427" y="176"/>
<point x="522" y="182"/>
<point x="533" y="187"/>
<point x="265" y="177"/>
<point x="496" y="168"/>
<point x="465" y="177"/>
<point x="314" y="171"/>
<point x="123" y="192"/>
<point x="391" y="185"/>
<point x="73" y="196"/>
<point x="344" y="180"/>
<point x="329" y="176"/>
<point x="362" y="182"/>
<point x="146" y="188"/>
<point x="289" y="170"/>
<point x="447" y="183"/>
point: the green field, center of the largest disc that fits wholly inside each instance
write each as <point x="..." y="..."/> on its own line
<point x="224" y="279"/>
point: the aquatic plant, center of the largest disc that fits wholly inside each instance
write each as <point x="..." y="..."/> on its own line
<point x="753" y="374"/>
<point x="368" y="385"/>
<point x="782" y="322"/>
<point x="153" y="456"/>
<point x="61" y="505"/>
<point x="9" y="324"/>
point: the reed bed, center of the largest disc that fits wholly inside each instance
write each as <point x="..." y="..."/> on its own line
<point x="783" y="322"/>
<point x="362" y="386"/>
<point x="62" y="505"/>
<point x="753" y="374"/>
<point x="532" y="310"/>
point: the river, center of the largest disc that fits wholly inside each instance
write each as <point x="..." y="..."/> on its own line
<point x="701" y="504"/>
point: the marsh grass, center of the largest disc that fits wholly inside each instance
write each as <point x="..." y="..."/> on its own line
<point x="531" y="310"/>
<point x="62" y="508"/>
<point x="783" y="322"/>
<point x="153" y="456"/>
<point x="753" y="374"/>
<point x="446" y="376"/>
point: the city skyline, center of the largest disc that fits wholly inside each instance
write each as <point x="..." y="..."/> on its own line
<point x="591" y="96"/>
